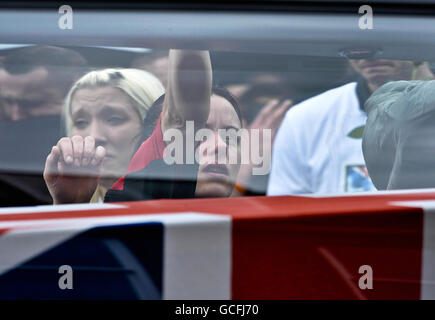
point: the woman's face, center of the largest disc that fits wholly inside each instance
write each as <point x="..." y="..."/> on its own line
<point x="107" y="114"/>
<point x="218" y="180"/>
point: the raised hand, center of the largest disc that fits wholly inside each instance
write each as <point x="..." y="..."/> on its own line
<point x="270" y="117"/>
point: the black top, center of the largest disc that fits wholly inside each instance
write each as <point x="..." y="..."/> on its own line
<point x="157" y="181"/>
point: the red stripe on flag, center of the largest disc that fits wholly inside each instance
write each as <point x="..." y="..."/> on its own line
<point x="242" y="208"/>
<point x="318" y="257"/>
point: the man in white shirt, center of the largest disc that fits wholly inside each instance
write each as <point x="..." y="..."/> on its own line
<point x="318" y="146"/>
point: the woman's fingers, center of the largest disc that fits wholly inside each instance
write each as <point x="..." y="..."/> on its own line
<point x="66" y="150"/>
<point x="271" y="114"/>
<point x="88" y="150"/>
<point x="262" y="117"/>
<point x="100" y="153"/>
<point x="268" y="109"/>
<point x="75" y="152"/>
<point x="51" y="167"/>
<point x="287" y="104"/>
<point x="272" y="104"/>
<point x="279" y="113"/>
<point x="77" y="146"/>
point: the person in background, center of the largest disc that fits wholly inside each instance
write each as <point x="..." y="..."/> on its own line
<point x="34" y="82"/>
<point x="398" y="144"/>
<point x="104" y="117"/>
<point x="318" y="146"/>
<point x="37" y="80"/>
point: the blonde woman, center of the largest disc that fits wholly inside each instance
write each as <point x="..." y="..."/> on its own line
<point x="103" y="114"/>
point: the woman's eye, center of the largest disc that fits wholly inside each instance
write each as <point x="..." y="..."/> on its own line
<point x="80" y="124"/>
<point x="116" y="120"/>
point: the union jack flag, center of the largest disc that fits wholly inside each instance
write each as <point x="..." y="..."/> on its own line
<point x="290" y="247"/>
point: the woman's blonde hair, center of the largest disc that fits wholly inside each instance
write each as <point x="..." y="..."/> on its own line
<point x="140" y="86"/>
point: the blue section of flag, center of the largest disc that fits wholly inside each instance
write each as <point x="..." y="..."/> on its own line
<point x="111" y="262"/>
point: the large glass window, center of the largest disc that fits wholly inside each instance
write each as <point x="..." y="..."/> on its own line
<point x="233" y="109"/>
